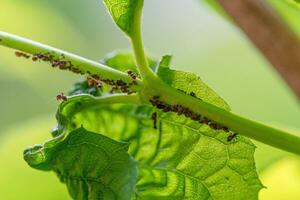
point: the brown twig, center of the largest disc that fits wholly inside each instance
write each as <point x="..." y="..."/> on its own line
<point x="270" y="35"/>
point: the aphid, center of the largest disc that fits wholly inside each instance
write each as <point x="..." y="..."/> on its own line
<point x="34" y="58"/>
<point x="193" y="94"/>
<point x="120" y="83"/>
<point x="231" y="137"/>
<point x="21" y="54"/>
<point x="154" y="118"/>
<point x="95" y="76"/>
<point x="226" y="129"/>
<point x="62" y="97"/>
<point x="75" y="70"/>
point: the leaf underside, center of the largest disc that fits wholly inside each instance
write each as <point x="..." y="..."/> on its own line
<point x="181" y="159"/>
<point x="123" y="13"/>
<point x="91" y="165"/>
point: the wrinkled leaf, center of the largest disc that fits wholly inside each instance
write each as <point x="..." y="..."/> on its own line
<point x="182" y="159"/>
<point x="124" y="13"/>
<point x="92" y="166"/>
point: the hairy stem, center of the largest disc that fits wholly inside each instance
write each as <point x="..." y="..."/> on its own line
<point x="84" y="65"/>
<point x="257" y="131"/>
<point x="138" y="47"/>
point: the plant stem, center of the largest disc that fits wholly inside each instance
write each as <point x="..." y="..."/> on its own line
<point x="83" y="64"/>
<point x="279" y="44"/>
<point x="137" y="43"/>
<point x="153" y="86"/>
<point x="257" y="131"/>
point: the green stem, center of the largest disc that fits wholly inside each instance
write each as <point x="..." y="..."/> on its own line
<point x="138" y="47"/>
<point x="153" y="86"/>
<point x="257" y="131"/>
<point x="83" y="64"/>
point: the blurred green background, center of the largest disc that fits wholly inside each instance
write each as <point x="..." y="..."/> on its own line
<point x="201" y="42"/>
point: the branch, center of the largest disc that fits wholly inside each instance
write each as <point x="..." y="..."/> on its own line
<point x="270" y="35"/>
<point x="80" y="65"/>
<point x="137" y="44"/>
<point x="254" y="130"/>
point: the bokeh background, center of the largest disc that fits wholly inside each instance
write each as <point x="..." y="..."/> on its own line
<point x="200" y="40"/>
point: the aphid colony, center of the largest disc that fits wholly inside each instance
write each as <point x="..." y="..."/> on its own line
<point x="94" y="80"/>
<point x="59" y="62"/>
<point x="181" y="110"/>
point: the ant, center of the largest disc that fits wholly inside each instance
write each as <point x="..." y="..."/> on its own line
<point x="133" y="77"/>
<point x="93" y="82"/>
<point x="154" y="118"/>
<point x="61" y="96"/>
<point x="231" y="137"/>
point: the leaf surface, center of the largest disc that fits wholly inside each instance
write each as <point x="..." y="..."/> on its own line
<point x="124" y="61"/>
<point x="181" y="159"/>
<point x="92" y="165"/>
<point x="124" y="13"/>
<point x="190" y="83"/>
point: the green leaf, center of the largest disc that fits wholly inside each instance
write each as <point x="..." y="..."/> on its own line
<point x="165" y="61"/>
<point x="124" y="61"/>
<point x="125" y="13"/>
<point x="190" y="83"/>
<point x="181" y="159"/>
<point x="92" y="165"/>
<point x="82" y="87"/>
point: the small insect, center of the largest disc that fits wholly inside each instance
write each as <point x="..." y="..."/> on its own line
<point x="154" y="118"/>
<point x="62" y="97"/>
<point x="75" y="70"/>
<point x="231" y="137"/>
<point x="120" y="83"/>
<point x="133" y="77"/>
<point x="193" y="94"/>
<point x="94" y="82"/>
<point x="35" y="58"/>
<point x="131" y="74"/>
<point x="21" y="54"/>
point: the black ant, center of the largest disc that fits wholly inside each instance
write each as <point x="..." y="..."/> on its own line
<point x="154" y="118"/>
<point x="231" y="137"/>
<point x="62" y="97"/>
